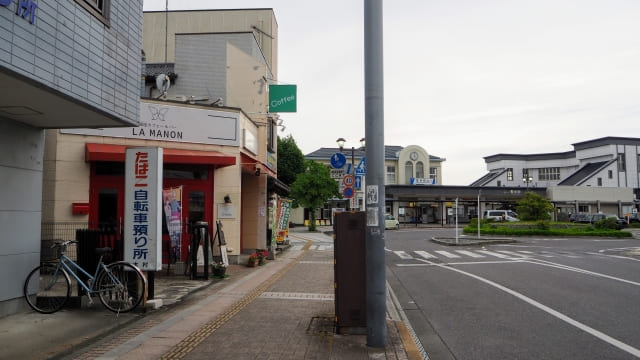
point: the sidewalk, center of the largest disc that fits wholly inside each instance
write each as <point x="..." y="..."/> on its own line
<point x="282" y="310"/>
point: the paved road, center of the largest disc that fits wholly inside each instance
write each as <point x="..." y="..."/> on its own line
<point x="535" y="299"/>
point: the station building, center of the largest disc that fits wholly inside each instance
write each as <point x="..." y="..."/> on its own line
<point x="63" y="64"/>
<point x="599" y="175"/>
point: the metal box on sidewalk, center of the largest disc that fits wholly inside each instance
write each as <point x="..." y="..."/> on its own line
<point x="349" y="272"/>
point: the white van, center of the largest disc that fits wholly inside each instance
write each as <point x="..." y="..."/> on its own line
<point x="501" y="215"/>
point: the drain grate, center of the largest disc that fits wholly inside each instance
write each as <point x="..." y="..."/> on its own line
<point x="322" y="325"/>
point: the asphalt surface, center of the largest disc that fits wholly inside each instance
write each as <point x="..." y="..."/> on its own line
<point x="535" y="299"/>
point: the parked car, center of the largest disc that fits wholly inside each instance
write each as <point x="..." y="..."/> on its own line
<point x="597" y="217"/>
<point x="501" y="215"/>
<point x="390" y="222"/>
<point x="578" y="218"/>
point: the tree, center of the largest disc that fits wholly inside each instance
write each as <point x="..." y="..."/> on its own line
<point x="534" y="207"/>
<point x="290" y="160"/>
<point x="313" y="187"/>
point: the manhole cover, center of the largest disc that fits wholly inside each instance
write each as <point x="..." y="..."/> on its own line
<point x="322" y="325"/>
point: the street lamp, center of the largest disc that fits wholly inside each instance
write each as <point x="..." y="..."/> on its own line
<point x="527" y="179"/>
<point x="341" y="142"/>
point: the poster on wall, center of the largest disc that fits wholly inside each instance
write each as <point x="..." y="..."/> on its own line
<point x="281" y="228"/>
<point x="172" y="200"/>
<point x="142" y="215"/>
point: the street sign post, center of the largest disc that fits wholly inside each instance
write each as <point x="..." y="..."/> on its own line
<point x="348" y="180"/>
<point x="347" y="192"/>
<point x="338" y="160"/>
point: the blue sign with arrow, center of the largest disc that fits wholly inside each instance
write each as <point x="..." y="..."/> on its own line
<point x="358" y="182"/>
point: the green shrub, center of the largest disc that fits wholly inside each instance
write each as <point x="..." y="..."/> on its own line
<point x="608" y="223"/>
<point x="543" y="225"/>
<point x="504" y="229"/>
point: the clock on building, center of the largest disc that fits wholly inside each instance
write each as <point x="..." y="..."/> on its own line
<point x="413" y="155"/>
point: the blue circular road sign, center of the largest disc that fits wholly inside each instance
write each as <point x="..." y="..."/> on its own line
<point x="348" y="192"/>
<point x="338" y="160"/>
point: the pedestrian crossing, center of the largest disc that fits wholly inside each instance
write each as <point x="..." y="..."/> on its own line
<point x="479" y="254"/>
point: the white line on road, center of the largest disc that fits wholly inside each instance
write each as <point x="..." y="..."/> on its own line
<point x="424" y="254"/>
<point x="512" y="253"/>
<point x="598" y="334"/>
<point x="462" y="263"/>
<point x="403" y="255"/>
<point x="447" y="254"/>
<point x="491" y="253"/>
<point x="582" y="271"/>
<point x="469" y="253"/>
<point x="615" y="256"/>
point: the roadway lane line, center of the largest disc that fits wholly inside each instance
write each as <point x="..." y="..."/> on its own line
<point x="582" y="271"/>
<point x="512" y="253"/>
<point x="598" y="334"/>
<point x="615" y="256"/>
<point x="463" y="263"/>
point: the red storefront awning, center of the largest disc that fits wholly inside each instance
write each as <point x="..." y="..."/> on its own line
<point x="110" y="152"/>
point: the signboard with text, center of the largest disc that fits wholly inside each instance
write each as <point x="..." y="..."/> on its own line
<point x="283" y="98"/>
<point x="142" y="204"/>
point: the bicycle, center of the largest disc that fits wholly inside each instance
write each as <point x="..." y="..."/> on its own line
<point x="120" y="285"/>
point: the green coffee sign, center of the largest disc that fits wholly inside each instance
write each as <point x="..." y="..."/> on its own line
<point x="282" y="98"/>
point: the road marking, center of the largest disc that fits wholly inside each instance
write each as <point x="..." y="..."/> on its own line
<point x="512" y="253"/>
<point x="424" y="254"/>
<point x="491" y="253"/>
<point x="615" y="256"/>
<point x="598" y="334"/>
<point x="525" y="252"/>
<point x="469" y="253"/>
<point x="447" y="254"/>
<point x="463" y="263"/>
<point x="403" y="255"/>
<point x="582" y="271"/>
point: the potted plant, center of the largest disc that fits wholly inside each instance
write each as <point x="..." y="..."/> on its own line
<point x="262" y="256"/>
<point x="219" y="270"/>
<point x="253" y="260"/>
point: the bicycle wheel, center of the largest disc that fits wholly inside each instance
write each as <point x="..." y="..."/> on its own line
<point x="47" y="288"/>
<point x="121" y="287"/>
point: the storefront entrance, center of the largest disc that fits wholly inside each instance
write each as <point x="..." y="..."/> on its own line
<point x="195" y="203"/>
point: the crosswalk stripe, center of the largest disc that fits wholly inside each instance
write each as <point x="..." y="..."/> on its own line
<point x="424" y="254"/>
<point x="469" y="253"/>
<point x="447" y="254"/>
<point x="525" y="252"/>
<point x="403" y="255"/>
<point x="512" y="253"/>
<point x="491" y="253"/>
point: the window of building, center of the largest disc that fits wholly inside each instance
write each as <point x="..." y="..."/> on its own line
<point x="408" y="172"/>
<point x="510" y="174"/>
<point x="433" y="174"/>
<point x="391" y="175"/>
<point x="549" y="173"/>
<point x="99" y="8"/>
<point x="419" y="170"/>
<point x="610" y="174"/>
<point x="599" y="181"/>
<point x="525" y="173"/>
<point x="499" y="183"/>
<point x="621" y="164"/>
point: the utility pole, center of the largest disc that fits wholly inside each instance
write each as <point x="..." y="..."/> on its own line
<point x="375" y="192"/>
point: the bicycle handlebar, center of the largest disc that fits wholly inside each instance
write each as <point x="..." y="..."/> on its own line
<point x="65" y="243"/>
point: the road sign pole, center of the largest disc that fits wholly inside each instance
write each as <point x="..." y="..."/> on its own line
<point x="374" y="133"/>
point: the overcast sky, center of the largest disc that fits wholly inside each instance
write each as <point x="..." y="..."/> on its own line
<point x="464" y="79"/>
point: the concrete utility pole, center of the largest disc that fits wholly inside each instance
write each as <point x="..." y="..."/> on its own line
<point x="375" y="193"/>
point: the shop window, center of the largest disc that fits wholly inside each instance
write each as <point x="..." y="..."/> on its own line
<point x="185" y="171"/>
<point x="109" y="168"/>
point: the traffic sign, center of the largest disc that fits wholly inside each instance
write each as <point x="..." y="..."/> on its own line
<point x="347" y="192"/>
<point x="358" y="182"/>
<point x="338" y="160"/>
<point x="348" y="180"/>
<point x="361" y="169"/>
<point x="337" y="173"/>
